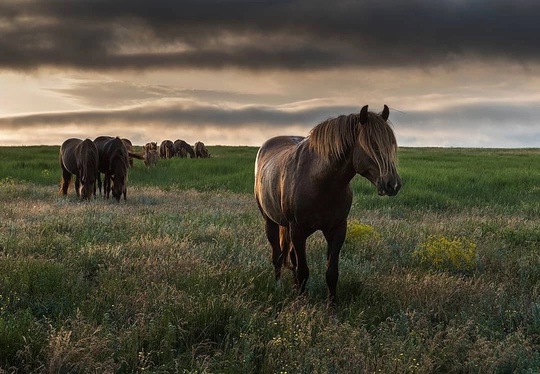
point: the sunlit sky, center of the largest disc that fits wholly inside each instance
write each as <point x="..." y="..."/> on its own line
<point x="455" y="73"/>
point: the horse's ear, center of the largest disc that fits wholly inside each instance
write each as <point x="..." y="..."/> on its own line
<point x="363" y="115"/>
<point x="385" y="113"/>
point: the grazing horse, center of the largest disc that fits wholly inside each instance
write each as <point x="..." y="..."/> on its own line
<point x="150" y="157"/>
<point x="80" y="158"/>
<point x="150" y="154"/>
<point x="166" y="149"/>
<point x="182" y="149"/>
<point x="114" y="163"/>
<point x="201" y="150"/>
<point x="303" y="185"/>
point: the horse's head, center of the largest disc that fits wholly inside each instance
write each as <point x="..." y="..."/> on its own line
<point x="375" y="155"/>
<point x="87" y="187"/>
<point x="118" y="185"/>
<point x="119" y="167"/>
<point x="87" y="163"/>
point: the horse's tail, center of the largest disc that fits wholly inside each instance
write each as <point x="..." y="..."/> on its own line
<point x="285" y="244"/>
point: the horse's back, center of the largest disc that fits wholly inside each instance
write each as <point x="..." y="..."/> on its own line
<point x="102" y="141"/>
<point x="68" y="157"/>
<point x="70" y="144"/>
<point x="275" y="146"/>
<point x="107" y="146"/>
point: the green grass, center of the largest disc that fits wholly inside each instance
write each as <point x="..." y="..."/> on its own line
<point x="179" y="279"/>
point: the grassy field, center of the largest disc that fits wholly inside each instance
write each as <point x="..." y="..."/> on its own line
<point x="444" y="277"/>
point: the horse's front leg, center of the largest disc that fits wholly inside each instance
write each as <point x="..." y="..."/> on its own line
<point x="107" y="187"/>
<point x="77" y="185"/>
<point x="66" y="179"/>
<point x="301" y="270"/>
<point x="335" y="238"/>
<point x="98" y="178"/>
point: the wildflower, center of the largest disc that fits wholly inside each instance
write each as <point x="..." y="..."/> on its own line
<point x="442" y="253"/>
<point x="359" y="232"/>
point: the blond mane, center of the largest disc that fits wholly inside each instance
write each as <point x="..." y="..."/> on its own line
<point x="334" y="137"/>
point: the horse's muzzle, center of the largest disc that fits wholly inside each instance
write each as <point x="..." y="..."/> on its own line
<point x="389" y="187"/>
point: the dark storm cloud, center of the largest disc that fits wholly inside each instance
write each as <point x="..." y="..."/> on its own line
<point x="292" y="35"/>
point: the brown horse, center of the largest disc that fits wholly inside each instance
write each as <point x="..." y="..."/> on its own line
<point x="80" y="158"/>
<point x="182" y="149"/>
<point x="201" y="150"/>
<point x="303" y="185"/>
<point x="114" y="163"/>
<point x="166" y="149"/>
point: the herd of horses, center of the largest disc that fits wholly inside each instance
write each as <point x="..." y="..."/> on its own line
<point x="302" y="184"/>
<point x="113" y="156"/>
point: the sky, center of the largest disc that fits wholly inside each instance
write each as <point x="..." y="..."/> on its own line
<point x="454" y="73"/>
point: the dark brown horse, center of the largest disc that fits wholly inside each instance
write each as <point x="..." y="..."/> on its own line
<point x="114" y="163"/>
<point x="182" y="149"/>
<point x="302" y="185"/>
<point x="200" y="150"/>
<point x="166" y="149"/>
<point x="80" y="158"/>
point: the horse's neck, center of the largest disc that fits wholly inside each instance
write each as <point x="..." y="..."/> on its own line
<point x="339" y="171"/>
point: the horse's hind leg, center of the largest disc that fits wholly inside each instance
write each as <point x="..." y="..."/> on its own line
<point x="335" y="239"/>
<point x="298" y="239"/>
<point x="77" y="185"/>
<point x="107" y="186"/>
<point x="66" y="180"/>
<point x="272" y="234"/>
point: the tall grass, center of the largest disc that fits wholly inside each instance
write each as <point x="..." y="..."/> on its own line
<point x="445" y="277"/>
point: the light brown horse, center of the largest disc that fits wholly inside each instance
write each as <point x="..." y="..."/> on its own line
<point x="80" y="158"/>
<point x="151" y="157"/>
<point x="303" y="185"/>
<point x="114" y="163"/>
<point x="150" y="146"/>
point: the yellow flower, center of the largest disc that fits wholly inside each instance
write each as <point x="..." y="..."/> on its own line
<point x="443" y="253"/>
<point x="359" y="232"/>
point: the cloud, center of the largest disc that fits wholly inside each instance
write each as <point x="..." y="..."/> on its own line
<point x="488" y="124"/>
<point x="114" y="93"/>
<point x="179" y="113"/>
<point x="475" y="125"/>
<point x="257" y="35"/>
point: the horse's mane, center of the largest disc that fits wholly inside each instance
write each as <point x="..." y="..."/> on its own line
<point x="334" y="137"/>
<point x="89" y="157"/>
<point x="120" y="153"/>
